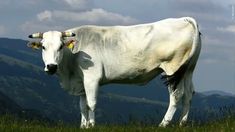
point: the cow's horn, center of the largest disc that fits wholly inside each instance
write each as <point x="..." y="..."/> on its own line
<point x="68" y="34"/>
<point x="36" y="35"/>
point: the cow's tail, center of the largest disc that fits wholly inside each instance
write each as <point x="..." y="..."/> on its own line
<point x="196" y="47"/>
<point x="190" y="63"/>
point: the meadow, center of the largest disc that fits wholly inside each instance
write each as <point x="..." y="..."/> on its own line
<point x="12" y="124"/>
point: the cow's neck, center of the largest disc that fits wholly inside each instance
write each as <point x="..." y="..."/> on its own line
<point x="70" y="74"/>
<point x="65" y="67"/>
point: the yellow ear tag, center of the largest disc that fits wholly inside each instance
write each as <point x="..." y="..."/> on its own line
<point x="70" y="45"/>
<point x="34" y="45"/>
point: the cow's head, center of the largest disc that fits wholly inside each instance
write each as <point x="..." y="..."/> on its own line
<point x="52" y="45"/>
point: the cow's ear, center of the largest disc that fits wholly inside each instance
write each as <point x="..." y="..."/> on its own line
<point x="70" y="44"/>
<point x="35" y="45"/>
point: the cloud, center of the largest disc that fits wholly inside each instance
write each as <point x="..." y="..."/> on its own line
<point x="79" y="4"/>
<point x="94" y="16"/>
<point x="229" y="28"/>
<point x="22" y="3"/>
<point x="207" y="11"/>
<point x="45" y="15"/>
<point x="61" y="20"/>
<point x="225" y="2"/>
<point x="35" y="26"/>
<point x="47" y="4"/>
<point x="217" y="49"/>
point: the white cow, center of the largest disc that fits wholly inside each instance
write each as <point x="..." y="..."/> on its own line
<point x="123" y="54"/>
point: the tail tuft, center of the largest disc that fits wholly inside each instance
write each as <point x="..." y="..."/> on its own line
<point x="174" y="79"/>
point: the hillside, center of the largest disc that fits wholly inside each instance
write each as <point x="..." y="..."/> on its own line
<point x="8" y="105"/>
<point x="23" y="81"/>
<point x="208" y="93"/>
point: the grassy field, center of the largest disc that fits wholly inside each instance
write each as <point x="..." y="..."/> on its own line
<point x="9" y="124"/>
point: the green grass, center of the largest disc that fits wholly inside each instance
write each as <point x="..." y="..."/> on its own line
<point x="10" y="124"/>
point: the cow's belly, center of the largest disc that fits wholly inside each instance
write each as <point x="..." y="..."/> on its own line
<point x="140" y="78"/>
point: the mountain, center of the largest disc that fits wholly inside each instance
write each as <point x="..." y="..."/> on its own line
<point x="217" y="92"/>
<point x="8" y="105"/>
<point x="23" y="80"/>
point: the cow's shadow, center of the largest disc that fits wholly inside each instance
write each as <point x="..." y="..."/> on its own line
<point x="84" y="60"/>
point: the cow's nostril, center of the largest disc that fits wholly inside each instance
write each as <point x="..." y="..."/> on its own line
<point x="52" y="68"/>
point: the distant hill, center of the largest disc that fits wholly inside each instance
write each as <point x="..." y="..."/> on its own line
<point x="216" y="92"/>
<point x="8" y="105"/>
<point x="23" y="81"/>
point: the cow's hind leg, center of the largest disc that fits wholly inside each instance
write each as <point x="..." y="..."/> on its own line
<point x="175" y="97"/>
<point x="176" y="87"/>
<point x="183" y="92"/>
<point x="187" y="97"/>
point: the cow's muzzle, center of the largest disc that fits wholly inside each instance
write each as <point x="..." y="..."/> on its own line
<point x="52" y="68"/>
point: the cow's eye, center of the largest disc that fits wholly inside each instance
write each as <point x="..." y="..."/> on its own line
<point x="43" y="48"/>
<point x="61" y="47"/>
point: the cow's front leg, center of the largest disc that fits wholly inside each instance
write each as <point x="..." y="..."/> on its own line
<point x="91" y="89"/>
<point x="84" y="112"/>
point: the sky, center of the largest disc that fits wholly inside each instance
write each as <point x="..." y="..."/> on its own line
<point x="216" y="19"/>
